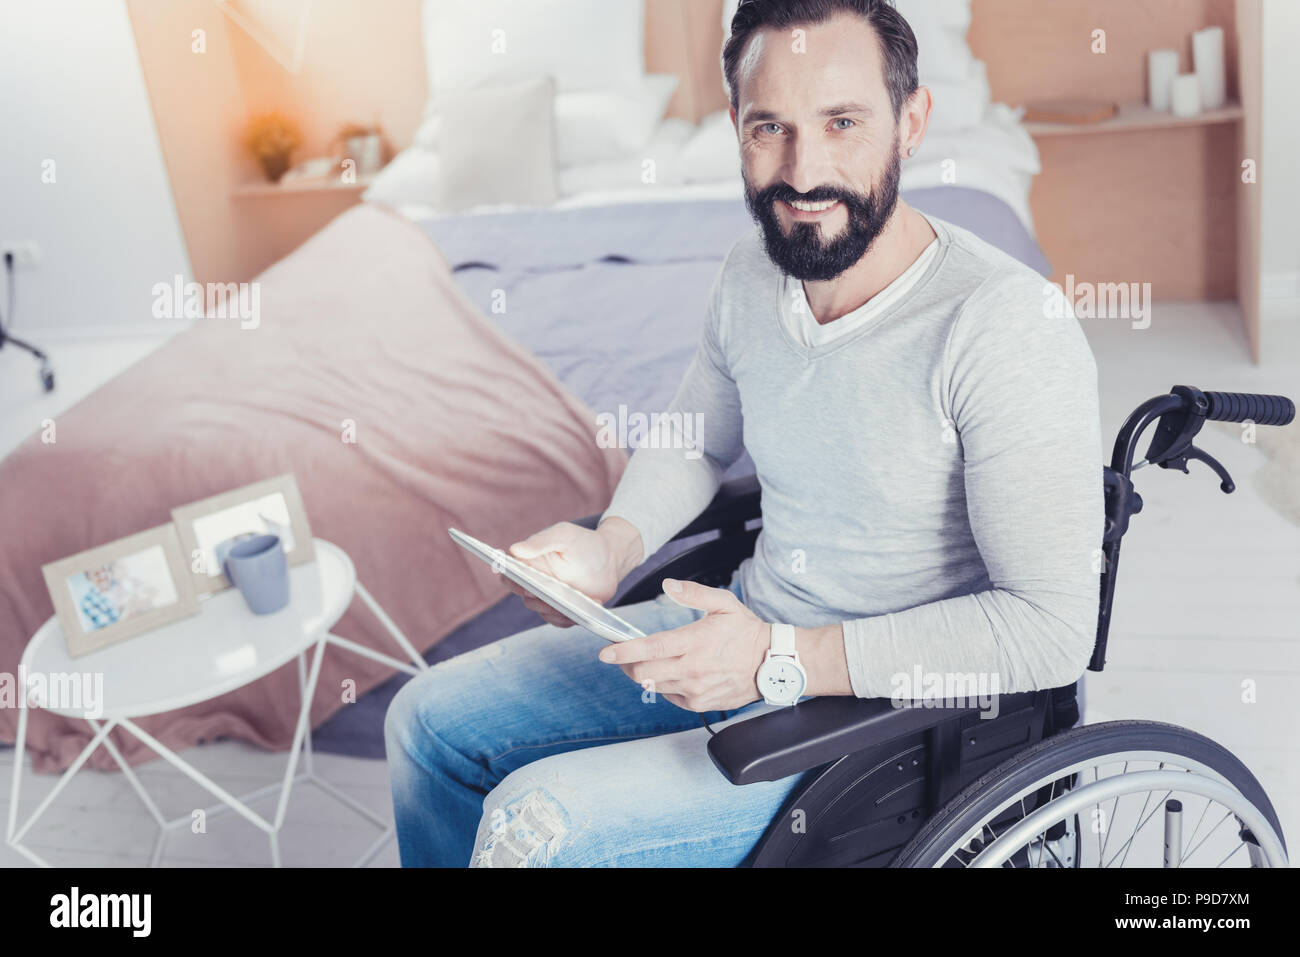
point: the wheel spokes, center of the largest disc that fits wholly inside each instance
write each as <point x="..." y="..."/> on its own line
<point x="1046" y="855"/>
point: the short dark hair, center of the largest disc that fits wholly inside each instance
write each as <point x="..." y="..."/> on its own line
<point x="897" y="42"/>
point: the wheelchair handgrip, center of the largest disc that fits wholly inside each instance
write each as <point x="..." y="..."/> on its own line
<point x="1240" y="406"/>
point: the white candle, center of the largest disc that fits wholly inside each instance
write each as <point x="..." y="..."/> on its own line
<point x="1185" y="94"/>
<point x="1207" y="61"/>
<point x="1162" y="67"/>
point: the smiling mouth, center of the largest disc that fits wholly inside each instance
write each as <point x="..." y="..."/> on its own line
<point x="805" y="210"/>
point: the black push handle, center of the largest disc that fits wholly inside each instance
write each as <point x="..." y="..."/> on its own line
<point x="1240" y="406"/>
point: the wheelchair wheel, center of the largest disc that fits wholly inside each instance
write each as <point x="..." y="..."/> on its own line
<point x="1087" y="798"/>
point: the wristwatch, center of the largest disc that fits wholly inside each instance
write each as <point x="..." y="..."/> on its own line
<point x="781" y="678"/>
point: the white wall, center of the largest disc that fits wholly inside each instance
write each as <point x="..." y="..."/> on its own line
<point x="1279" y="166"/>
<point x="107" y="227"/>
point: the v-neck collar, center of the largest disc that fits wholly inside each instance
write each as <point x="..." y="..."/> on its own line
<point x="943" y="237"/>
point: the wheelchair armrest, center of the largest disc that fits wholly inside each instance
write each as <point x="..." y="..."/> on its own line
<point x="736" y="503"/>
<point x="775" y="745"/>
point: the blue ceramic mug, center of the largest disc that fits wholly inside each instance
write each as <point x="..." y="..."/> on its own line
<point x="259" y="568"/>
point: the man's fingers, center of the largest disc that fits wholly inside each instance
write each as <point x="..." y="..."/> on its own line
<point x="549" y="614"/>
<point x="662" y="644"/>
<point x="535" y="604"/>
<point x="662" y="674"/>
<point x="552" y="617"/>
<point x="540" y="543"/>
<point x="549" y="551"/>
<point x="701" y="597"/>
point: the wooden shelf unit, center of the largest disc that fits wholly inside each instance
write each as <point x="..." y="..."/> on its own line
<point x="1133" y="117"/>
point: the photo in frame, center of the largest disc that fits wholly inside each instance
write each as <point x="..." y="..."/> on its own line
<point x="121" y="589"/>
<point x="270" y="507"/>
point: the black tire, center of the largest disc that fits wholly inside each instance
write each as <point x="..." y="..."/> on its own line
<point x="972" y="805"/>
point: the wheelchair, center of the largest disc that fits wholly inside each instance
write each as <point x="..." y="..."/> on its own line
<point x="944" y="786"/>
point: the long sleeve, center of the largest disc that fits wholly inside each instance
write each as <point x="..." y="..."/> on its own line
<point x="1021" y="390"/>
<point x="671" y="479"/>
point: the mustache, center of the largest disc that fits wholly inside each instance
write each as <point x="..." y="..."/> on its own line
<point x="820" y="194"/>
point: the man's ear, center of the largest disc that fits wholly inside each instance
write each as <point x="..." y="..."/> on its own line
<point x="915" y="119"/>
<point x="732" y="113"/>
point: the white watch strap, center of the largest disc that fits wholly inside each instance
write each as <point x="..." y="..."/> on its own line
<point x="783" y="642"/>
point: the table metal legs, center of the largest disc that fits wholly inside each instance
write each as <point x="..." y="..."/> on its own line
<point x="301" y="747"/>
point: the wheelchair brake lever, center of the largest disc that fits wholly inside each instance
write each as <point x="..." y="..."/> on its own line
<point x="1193" y="452"/>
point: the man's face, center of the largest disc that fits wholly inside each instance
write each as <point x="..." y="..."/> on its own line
<point x="819" y="144"/>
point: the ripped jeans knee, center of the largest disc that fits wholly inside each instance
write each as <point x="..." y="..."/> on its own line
<point x="526" y="831"/>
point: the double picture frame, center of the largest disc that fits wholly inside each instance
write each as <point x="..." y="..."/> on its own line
<point x="149" y="579"/>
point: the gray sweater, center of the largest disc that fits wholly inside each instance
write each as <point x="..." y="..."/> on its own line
<point x="932" y="480"/>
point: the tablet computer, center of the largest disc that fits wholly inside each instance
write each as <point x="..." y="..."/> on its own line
<point x="565" y="599"/>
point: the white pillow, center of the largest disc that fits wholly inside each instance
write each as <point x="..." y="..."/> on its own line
<point x="959" y="105"/>
<point x="943" y="14"/>
<point x="629" y="172"/>
<point x="583" y="44"/>
<point x="712" y="154"/>
<point x="942" y="55"/>
<point x="950" y="14"/>
<point x="412" y="178"/>
<point x="498" y="145"/>
<point x="590" y="127"/>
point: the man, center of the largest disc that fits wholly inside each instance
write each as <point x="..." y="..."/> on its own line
<point x="928" y="447"/>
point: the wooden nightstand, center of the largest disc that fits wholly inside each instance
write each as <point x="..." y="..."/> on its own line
<point x="324" y="184"/>
<point x="280" y="217"/>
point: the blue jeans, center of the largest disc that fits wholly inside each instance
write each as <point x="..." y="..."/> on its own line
<point x="530" y="752"/>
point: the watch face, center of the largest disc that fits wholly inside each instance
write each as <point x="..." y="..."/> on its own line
<point x="780" y="681"/>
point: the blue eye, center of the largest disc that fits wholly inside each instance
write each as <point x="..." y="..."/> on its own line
<point x="842" y="119"/>
<point x="772" y="128"/>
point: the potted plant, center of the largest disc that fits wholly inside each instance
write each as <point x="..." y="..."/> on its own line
<point x="272" y="138"/>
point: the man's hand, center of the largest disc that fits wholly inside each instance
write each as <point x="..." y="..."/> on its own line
<point x="708" y="665"/>
<point x="594" y="562"/>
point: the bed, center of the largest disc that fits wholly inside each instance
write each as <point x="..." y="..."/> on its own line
<point x="393" y="317"/>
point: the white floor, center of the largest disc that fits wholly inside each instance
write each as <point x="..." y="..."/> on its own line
<point x="1208" y="599"/>
<point x="81" y="365"/>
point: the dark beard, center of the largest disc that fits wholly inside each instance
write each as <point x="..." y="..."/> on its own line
<point x="803" y="254"/>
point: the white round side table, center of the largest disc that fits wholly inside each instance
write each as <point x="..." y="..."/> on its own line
<point x="224" y="647"/>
